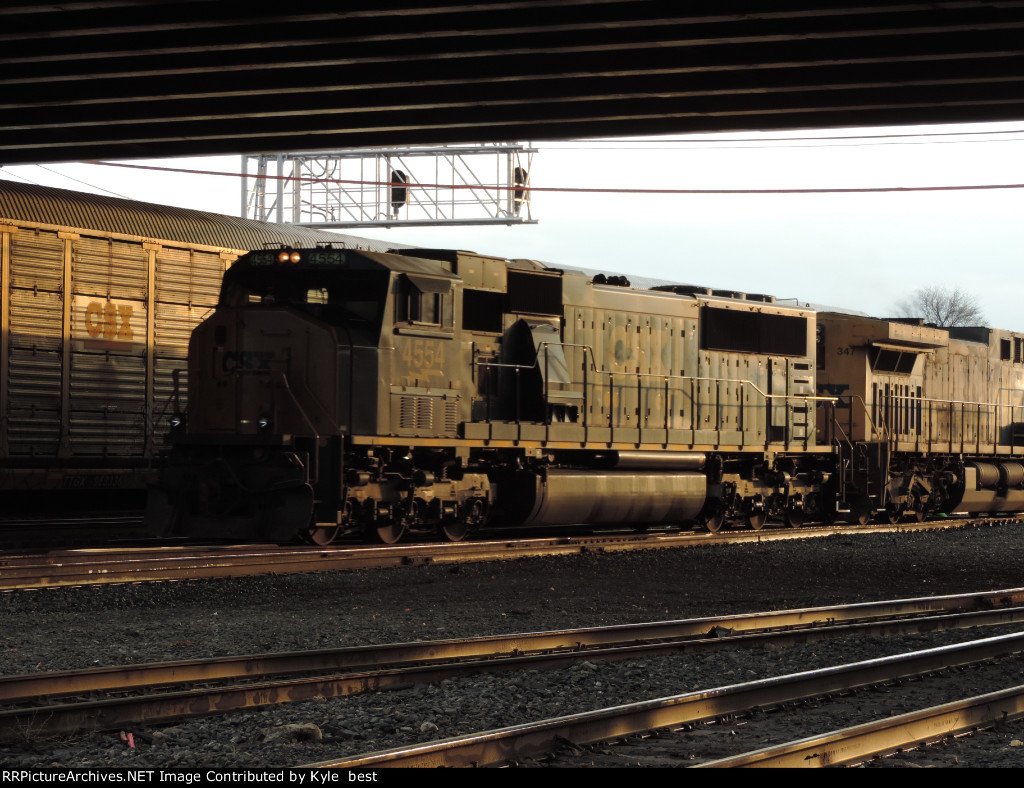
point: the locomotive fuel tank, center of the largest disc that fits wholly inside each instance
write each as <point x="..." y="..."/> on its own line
<point x="992" y="487"/>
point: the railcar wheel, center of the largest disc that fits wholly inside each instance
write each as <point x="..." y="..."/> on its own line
<point x="321" y="535"/>
<point x="795" y="518"/>
<point x="756" y="520"/>
<point x="455" y="530"/>
<point x="390" y="533"/>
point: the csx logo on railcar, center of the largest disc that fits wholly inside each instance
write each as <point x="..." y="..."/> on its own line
<point x="109" y="321"/>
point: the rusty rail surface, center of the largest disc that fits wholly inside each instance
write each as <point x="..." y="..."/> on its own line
<point x="147" y="564"/>
<point x="879" y="738"/>
<point x="404" y="664"/>
<point x="511" y="744"/>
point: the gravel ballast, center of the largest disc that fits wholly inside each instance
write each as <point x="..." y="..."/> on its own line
<point x="64" y="629"/>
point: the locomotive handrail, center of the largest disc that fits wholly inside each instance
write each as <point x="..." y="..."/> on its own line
<point x="931" y="422"/>
<point x="639" y="377"/>
<point x="282" y="380"/>
<point x="883" y="429"/>
<point x="964" y="415"/>
<point x="609" y="372"/>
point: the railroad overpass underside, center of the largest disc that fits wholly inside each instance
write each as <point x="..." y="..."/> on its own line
<point x="86" y="80"/>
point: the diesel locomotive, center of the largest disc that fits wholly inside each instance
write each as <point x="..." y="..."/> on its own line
<point x="336" y="391"/>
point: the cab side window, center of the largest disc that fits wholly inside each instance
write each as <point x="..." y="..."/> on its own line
<point x="424" y="301"/>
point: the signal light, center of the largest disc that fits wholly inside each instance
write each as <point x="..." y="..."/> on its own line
<point x="397" y="195"/>
<point x="521" y="178"/>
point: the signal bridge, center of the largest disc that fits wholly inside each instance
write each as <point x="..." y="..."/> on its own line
<point x="391" y="187"/>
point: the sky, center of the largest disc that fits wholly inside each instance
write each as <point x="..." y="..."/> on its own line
<point x="860" y="251"/>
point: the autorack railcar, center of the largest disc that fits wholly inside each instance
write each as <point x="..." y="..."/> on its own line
<point x="98" y="297"/>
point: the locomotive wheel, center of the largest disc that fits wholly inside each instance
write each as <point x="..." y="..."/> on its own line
<point x="795" y="518"/>
<point x="390" y="533"/>
<point x="756" y="520"/>
<point x="455" y="530"/>
<point x="892" y="514"/>
<point x="715" y="522"/>
<point x="321" y="535"/>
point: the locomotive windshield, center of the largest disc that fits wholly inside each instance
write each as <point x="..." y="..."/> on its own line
<point x="332" y="295"/>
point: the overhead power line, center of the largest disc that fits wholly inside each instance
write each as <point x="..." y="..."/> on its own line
<point x="572" y="189"/>
<point x="84" y="183"/>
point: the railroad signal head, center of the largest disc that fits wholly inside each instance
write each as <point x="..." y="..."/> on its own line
<point x="521" y="179"/>
<point x="398" y="195"/>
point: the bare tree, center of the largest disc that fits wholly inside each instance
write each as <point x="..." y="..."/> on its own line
<point x="943" y="307"/>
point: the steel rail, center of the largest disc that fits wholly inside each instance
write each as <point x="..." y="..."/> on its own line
<point x="150" y="564"/>
<point x="116" y="712"/>
<point x="510" y="744"/>
<point x="1001" y="606"/>
<point x="885" y="736"/>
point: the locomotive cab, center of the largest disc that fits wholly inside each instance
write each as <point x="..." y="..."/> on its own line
<point x="272" y="382"/>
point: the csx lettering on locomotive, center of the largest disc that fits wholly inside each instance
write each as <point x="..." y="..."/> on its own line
<point x="248" y="360"/>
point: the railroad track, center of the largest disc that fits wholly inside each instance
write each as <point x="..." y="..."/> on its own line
<point x="85" y="530"/>
<point x="887" y="736"/>
<point x="110" y="698"/>
<point x="552" y="738"/>
<point x="58" y="568"/>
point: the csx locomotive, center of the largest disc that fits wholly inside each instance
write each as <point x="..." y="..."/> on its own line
<point x="431" y="391"/>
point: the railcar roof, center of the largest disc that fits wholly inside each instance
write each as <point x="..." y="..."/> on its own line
<point x="22" y="202"/>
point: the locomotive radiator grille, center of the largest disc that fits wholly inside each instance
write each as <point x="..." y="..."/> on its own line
<point x="451" y="416"/>
<point x="416" y="413"/>
<point x="425" y="414"/>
